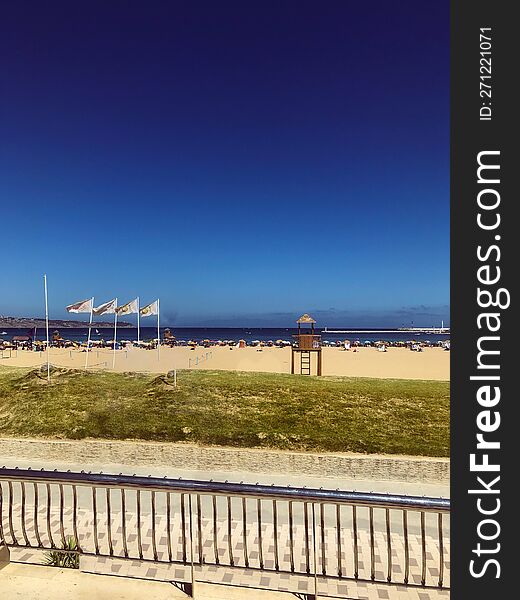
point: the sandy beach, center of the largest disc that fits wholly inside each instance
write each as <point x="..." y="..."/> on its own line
<point x="397" y="363"/>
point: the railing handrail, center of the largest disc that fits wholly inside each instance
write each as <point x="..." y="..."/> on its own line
<point x="226" y="488"/>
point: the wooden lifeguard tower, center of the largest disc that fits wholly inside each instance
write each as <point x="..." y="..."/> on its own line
<point x="306" y="343"/>
<point x="169" y="338"/>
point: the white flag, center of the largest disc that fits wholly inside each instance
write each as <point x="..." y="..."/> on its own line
<point x="108" y="307"/>
<point x="84" y="306"/>
<point x="128" y="308"/>
<point x="150" y="309"/>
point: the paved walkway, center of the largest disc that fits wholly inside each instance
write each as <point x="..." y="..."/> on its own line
<point x="176" y="470"/>
<point x="29" y="582"/>
<point x="257" y="551"/>
<point x="239" y="577"/>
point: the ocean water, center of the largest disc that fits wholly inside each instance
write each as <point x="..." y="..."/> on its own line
<point x="220" y="333"/>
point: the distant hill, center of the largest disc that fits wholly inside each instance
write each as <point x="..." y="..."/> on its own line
<point x="32" y="322"/>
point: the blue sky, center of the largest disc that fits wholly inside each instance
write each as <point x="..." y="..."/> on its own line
<point x="243" y="161"/>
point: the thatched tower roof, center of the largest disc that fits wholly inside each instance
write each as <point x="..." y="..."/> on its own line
<point x="306" y="319"/>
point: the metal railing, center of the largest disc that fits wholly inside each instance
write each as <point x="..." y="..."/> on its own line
<point x="382" y="538"/>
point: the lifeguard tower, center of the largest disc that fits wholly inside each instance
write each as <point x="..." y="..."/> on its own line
<point x="306" y="344"/>
<point x="169" y="338"/>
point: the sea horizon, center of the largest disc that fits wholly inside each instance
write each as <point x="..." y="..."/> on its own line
<point x="225" y="333"/>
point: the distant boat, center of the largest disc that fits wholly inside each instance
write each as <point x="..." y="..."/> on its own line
<point x="3" y="333"/>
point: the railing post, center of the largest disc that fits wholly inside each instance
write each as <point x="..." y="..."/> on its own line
<point x="190" y="588"/>
<point x="315" y="552"/>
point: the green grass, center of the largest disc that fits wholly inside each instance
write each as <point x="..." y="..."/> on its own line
<point x="231" y="409"/>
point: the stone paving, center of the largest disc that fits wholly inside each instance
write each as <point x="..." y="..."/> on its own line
<point x="210" y="543"/>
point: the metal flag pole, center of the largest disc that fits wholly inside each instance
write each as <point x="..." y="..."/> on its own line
<point x="89" y="330"/>
<point x="158" y="334"/>
<point x="47" y="326"/>
<point x="138" y="335"/>
<point x="115" y="335"/>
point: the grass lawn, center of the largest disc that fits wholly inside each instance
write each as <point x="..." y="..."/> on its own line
<point x="336" y="414"/>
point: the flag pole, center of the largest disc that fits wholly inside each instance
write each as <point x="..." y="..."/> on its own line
<point x="158" y="334"/>
<point x="138" y="336"/>
<point x="47" y="326"/>
<point x="115" y="336"/>
<point x="89" y="330"/>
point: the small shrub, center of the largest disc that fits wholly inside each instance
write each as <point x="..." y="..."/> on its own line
<point x="65" y="560"/>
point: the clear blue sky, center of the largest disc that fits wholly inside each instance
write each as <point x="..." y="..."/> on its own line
<point x="243" y="161"/>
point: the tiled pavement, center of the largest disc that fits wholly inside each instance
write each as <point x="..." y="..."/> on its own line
<point x="239" y="575"/>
